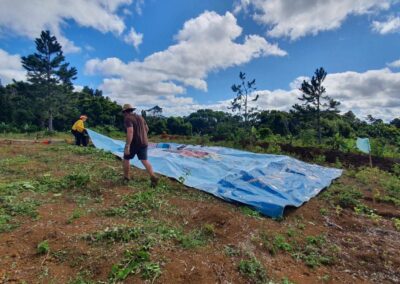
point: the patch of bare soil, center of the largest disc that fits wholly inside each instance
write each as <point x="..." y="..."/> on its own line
<point x="347" y="159"/>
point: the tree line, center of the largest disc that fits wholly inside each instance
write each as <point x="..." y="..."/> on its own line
<point x="48" y="101"/>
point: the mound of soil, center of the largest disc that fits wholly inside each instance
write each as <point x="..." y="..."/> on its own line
<point x="331" y="156"/>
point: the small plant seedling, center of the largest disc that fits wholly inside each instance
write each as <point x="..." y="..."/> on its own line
<point x="43" y="247"/>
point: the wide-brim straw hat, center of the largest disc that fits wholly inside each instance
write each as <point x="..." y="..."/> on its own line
<point x="128" y="107"/>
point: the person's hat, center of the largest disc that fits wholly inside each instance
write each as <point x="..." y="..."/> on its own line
<point x="82" y="116"/>
<point x="128" y="107"/>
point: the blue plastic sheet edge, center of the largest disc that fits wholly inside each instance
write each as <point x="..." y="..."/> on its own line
<point x="267" y="183"/>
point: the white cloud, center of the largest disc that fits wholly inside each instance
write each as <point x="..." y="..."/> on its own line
<point x="138" y="6"/>
<point x="134" y="38"/>
<point x="394" y="64"/>
<point x="392" y="25"/>
<point x="11" y="68"/>
<point x="374" y="92"/>
<point x="205" y="44"/>
<point x="29" y="18"/>
<point x="78" y="88"/>
<point x="298" y="18"/>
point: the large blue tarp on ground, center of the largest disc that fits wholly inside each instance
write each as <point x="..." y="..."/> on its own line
<point x="267" y="183"/>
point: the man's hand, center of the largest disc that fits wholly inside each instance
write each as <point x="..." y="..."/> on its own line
<point x="127" y="150"/>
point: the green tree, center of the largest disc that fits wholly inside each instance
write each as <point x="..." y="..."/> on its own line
<point x="243" y="90"/>
<point x="48" y="72"/>
<point x="313" y="96"/>
<point x="396" y="122"/>
<point x="155" y="111"/>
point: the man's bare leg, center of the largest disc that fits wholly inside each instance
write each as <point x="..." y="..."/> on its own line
<point x="126" y="166"/>
<point x="148" y="167"/>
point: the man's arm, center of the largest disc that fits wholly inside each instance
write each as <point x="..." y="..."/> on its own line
<point x="129" y="137"/>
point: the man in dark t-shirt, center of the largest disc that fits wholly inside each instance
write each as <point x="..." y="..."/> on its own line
<point x="136" y="142"/>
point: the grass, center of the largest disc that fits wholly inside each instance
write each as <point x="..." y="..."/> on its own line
<point x="249" y="212"/>
<point x="135" y="262"/>
<point x="253" y="270"/>
<point x="140" y="203"/>
<point x="386" y="185"/>
<point x="314" y="251"/>
<point x="76" y="214"/>
<point x="117" y="234"/>
<point x="396" y="223"/>
<point x="345" y="196"/>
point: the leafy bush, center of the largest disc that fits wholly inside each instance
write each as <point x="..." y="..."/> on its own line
<point x="253" y="270"/>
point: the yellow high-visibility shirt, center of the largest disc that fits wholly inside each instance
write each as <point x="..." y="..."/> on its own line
<point x="78" y="126"/>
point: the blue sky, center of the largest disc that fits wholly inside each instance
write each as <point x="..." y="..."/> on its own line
<point x="185" y="55"/>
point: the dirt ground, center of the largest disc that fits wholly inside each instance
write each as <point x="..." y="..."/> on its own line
<point x="347" y="159"/>
<point x="367" y="251"/>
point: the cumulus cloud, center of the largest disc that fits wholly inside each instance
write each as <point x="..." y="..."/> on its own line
<point x="372" y="92"/>
<point x="298" y="18"/>
<point x="10" y="67"/>
<point x="134" y="38"/>
<point x="391" y="25"/>
<point x="29" y="18"/>
<point x="204" y="44"/>
<point x="394" y="64"/>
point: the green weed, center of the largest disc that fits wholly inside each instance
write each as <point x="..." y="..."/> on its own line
<point x="43" y="247"/>
<point x="5" y="219"/>
<point x="396" y="169"/>
<point x="151" y="270"/>
<point x="396" y="223"/>
<point x="60" y="255"/>
<point x="76" y="214"/>
<point x="344" y="196"/>
<point x="320" y="159"/>
<point x="253" y="270"/>
<point x="115" y="235"/>
<point x="387" y="185"/>
<point x="194" y="239"/>
<point x="135" y="262"/>
<point x="78" y="180"/>
<point x="267" y="242"/>
<point x="231" y="250"/>
<point x="286" y="281"/>
<point x="323" y="211"/>
<point x="281" y="243"/>
<point x="140" y="203"/>
<point x="274" y="148"/>
<point x="249" y="211"/>
<point x="316" y="252"/>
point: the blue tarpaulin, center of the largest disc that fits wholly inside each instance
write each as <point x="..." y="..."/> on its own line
<point x="267" y="183"/>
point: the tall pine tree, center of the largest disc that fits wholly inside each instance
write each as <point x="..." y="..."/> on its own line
<point x="243" y="92"/>
<point x="314" y="98"/>
<point x="49" y="74"/>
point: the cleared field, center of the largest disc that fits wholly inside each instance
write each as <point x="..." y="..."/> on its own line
<point x="66" y="217"/>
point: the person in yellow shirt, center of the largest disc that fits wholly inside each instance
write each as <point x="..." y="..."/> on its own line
<point x="79" y="131"/>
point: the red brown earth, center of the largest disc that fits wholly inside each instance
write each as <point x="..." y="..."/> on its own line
<point x="369" y="251"/>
